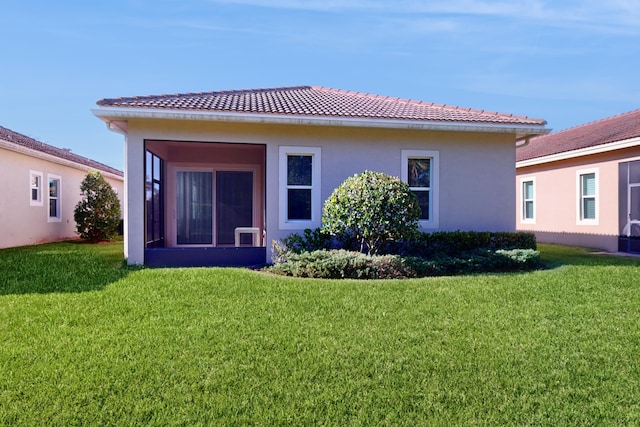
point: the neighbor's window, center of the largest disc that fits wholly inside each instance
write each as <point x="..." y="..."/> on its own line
<point x="528" y="200"/>
<point x="54" y="198"/>
<point x="299" y="187"/>
<point x="420" y="172"/>
<point x="35" y="188"/>
<point x="588" y="196"/>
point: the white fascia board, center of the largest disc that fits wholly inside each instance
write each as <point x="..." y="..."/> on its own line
<point x="603" y="148"/>
<point x="111" y="114"/>
<point x="54" y="159"/>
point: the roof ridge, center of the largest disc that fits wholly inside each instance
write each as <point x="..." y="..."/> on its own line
<point x="373" y="95"/>
<point x="424" y="103"/>
<point x="209" y="93"/>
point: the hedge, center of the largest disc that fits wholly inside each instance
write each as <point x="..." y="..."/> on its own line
<point x="342" y="264"/>
<point x="421" y="245"/>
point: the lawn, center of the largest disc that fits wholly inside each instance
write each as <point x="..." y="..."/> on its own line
<point x="88" y="342"/>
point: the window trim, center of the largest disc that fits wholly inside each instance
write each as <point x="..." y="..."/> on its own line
<point x="40" y="175"/>
<point x="434" y="190"/>
<point x="57" y="218"/>
<point x="283" y="199"/>
<point x="580" y="220"/>
<point x="524" y="200"/>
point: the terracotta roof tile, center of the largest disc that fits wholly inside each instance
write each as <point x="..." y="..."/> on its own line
<point x="27" y="142"/>
<point x="318" y="102"/>
<point x="612" y="129"/>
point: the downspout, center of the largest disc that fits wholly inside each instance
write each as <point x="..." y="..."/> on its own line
<point x="115" y="128"/>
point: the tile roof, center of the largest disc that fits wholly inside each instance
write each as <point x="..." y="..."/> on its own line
<point x="611" y="129"/>
<point x="317" y="102"/>
<point x="27" y="142"/>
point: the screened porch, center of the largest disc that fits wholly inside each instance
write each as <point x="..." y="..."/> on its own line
<point x="205" y="204"/>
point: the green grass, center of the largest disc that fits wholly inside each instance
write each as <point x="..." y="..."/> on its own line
<point x="87" y="342"/>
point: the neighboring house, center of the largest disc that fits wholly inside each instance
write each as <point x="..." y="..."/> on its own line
<point x="581" y="186"/>
<point x="213" y="178"/>
<point x="41" y="187"/>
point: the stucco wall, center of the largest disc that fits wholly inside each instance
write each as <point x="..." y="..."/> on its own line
<point x="476" y="169"/>
<point x="557" y="200"/>
<point x="23" y="224"/>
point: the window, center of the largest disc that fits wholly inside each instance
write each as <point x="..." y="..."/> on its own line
<point x="528" y="200"/>
<point x="299" y="187"/>
<point x="587" y="196"/>
<point x="35" y="188"/>
<point x="54" y="198"/>
<point x="420" y="172"/>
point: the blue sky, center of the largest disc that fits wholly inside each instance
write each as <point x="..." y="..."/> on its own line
<point x="569" y="62"/>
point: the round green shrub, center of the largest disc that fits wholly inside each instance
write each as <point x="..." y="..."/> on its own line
<point x="97" y="214"/>
<point x="371" y="208"/>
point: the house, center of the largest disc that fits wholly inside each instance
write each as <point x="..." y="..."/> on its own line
<point x="213" y="178"/>
<point x="581" y="186"/>
<point x="41" y="189"/>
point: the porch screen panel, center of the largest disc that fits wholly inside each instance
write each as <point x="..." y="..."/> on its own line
<point x="194" y="208"/>
<point x="634" y="210"/>
<point x="234" y="205"/>
<point x="154" y="200"/>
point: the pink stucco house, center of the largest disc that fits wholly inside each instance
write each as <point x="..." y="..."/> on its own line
<point x="41" y="189"/>
<point x="581" y="186"/>
<point x="213" y="178"/>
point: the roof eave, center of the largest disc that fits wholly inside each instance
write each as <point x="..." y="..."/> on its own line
<point x="602" y="148"/>
<point x="116" y="120"/>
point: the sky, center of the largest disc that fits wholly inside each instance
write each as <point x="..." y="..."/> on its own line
<point x="567" y="61"/>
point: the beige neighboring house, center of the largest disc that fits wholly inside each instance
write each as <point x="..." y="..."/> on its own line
<point x="213" y="178"/>
<point x="41" y="189"/>
<point x="581" y="186"/>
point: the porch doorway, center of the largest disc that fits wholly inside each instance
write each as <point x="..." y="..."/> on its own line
<point x="211" y="205"/>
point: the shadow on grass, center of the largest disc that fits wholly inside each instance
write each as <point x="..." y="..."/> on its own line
<point x="64" y="267"/>
<point x="553" y="256"/>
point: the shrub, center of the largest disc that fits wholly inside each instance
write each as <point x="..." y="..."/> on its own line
<point x="342" y="264"/>
<point x="370" y="209"/>
<point x="518" y="259"/>
<point x="453" y="243"/>
<point x="309" y="241"/>
<point x="97" y="214"/>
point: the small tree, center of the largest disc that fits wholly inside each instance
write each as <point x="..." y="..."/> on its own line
<point x="97" y="214"/>
<point x="371" y="208"/>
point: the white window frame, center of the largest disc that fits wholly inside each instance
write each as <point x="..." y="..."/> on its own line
<point x="316" y="210"/>
<point x="434" y="191"/>
<point x="580" y="220"/>
<point x="524" y="200"/>
<point x="40" y="176"/>
<point x="57" y="218"/>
